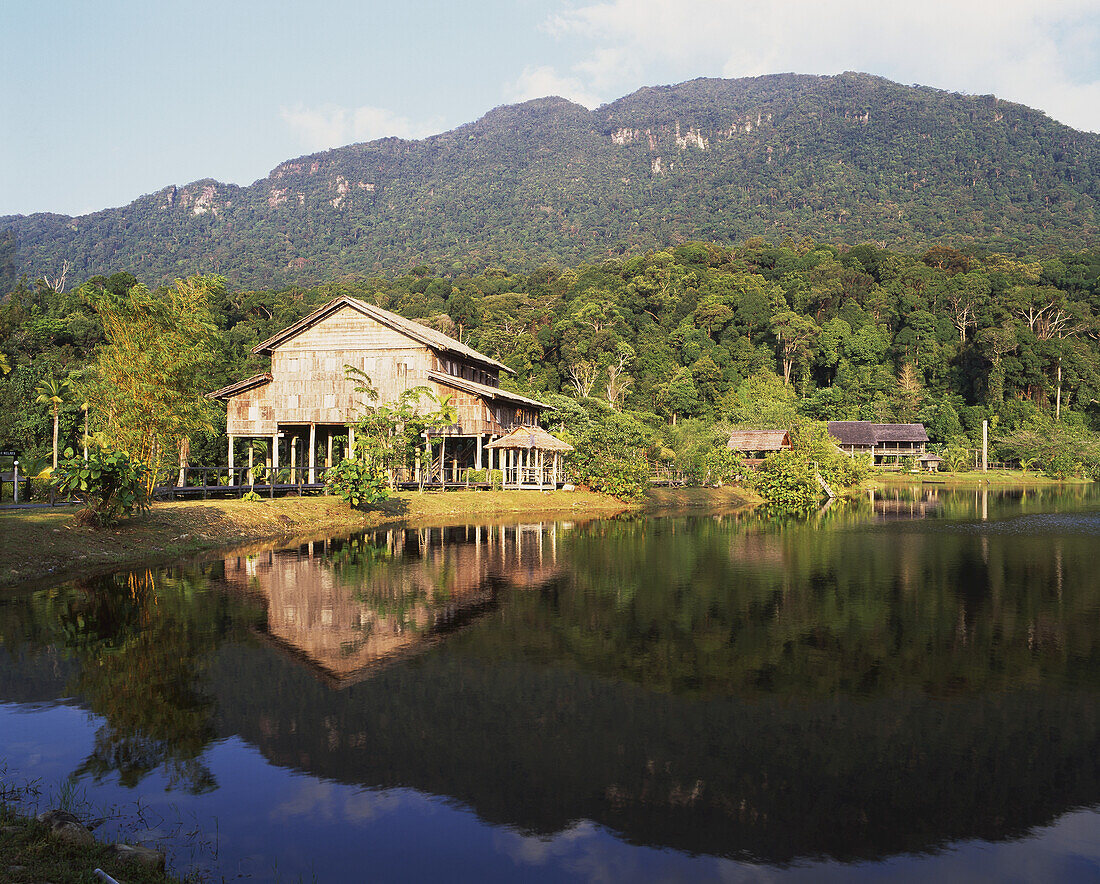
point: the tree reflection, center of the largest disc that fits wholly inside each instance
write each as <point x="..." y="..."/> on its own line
<point x="143" y="643"/>
<point x="703" y="606"/>
<point x="882" y="677"/>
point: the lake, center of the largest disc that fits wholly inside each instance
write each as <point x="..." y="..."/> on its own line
<point x="902" y="687"/>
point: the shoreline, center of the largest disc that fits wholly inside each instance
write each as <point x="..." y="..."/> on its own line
<point x="43" y="546"/>
<point x="973" y="479"/>
<point x="32" y="850"/>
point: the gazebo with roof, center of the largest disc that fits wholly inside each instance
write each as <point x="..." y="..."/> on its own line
<point x="522" y="454"/>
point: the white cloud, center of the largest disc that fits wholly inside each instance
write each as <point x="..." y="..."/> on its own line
<point x="538" y="81"/>
<point x="1044" y="53"/>
<point x="333" y="126"/>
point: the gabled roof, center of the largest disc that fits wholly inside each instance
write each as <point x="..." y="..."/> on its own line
<point x="427" y="336"/>
<point x="257" y="380"/>
<point x="528" y="438"/>
<point x="485" y="391"/>
<point x="758" y="440"/>
<point x="868" y="433"/>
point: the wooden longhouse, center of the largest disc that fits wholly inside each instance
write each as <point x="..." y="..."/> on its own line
<point x="886" y="443"/>
<point x="306" y="402"/>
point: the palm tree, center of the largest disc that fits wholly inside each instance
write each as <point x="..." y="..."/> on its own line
<point x="51" y="392"/>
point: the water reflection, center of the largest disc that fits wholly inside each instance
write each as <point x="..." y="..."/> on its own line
<point x="345" y="607"/>
<point x="895" y="675"/>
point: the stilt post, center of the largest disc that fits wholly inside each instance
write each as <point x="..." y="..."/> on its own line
<point x="312" y="453"/>
<point x="274" y="459"/>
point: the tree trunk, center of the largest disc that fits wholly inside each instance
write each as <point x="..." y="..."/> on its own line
<point x="1057" y="407"/>
<point x="185" y="454"/>
<point x="55" y="417"/>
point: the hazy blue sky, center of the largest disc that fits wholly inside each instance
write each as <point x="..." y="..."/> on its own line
<point x="105" y="101"/>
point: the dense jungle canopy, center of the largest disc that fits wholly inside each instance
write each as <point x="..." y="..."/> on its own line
<point x="674" y="345"/>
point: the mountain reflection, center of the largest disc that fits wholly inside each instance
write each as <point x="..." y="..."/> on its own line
<point x="891" y="675"/>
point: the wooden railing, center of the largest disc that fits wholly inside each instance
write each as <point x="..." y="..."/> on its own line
<point x="207" y="482"/>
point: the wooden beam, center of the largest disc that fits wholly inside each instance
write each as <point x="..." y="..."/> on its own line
<point x="231" y="482"/>
<point x="312" y="453"/>
<point x="274" y="459"/>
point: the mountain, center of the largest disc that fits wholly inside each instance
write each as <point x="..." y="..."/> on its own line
<point x="849" y="158"/>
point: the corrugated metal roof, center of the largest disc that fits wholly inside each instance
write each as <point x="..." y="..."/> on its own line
<point x="485" y="390"/>
<point x="868" y="433"/>
<point x="758" y="440"/>
<point x="257" y="380"/>
<point x="428" y="336"/>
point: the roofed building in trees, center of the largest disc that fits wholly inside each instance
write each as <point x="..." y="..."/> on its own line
<point x="887" y="444"/>
<point x="756" y="444"/>
<point x="303" y="408"/>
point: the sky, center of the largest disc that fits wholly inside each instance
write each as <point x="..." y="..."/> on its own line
<point x="104" y="102"/>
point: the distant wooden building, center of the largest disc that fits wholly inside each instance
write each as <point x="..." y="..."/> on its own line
<point x="886" y="443"/>
<point x="755" y="444"/>
<point x="306" y="400"/>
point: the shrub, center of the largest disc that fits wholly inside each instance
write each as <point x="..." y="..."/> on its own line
<point x="109" y="484"/>
<point x="786" y="481"/>
<point x="957" y="456"/>
<point x="722" y="465"/>
<point x="1059" y="448"/>
<point x="357" y="483"/>
<point x="610" y="452"/>
<point x="624" y="478"/>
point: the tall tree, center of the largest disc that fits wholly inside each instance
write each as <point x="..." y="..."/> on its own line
<point x="149" y="380"/>
<point x="795" y="335"/>
<point x="618" y="381"/>
<point x="51" y="392"/>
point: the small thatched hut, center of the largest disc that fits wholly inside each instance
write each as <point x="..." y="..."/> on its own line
<point x="522" y="457"/>
<point x="754" y="444"/>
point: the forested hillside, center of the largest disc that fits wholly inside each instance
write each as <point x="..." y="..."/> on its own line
<point x="683" y="342"/>
<point x="851" y="158"/>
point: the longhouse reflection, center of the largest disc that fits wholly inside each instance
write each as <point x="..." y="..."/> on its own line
<point x="894" y="504"/>
<point x="346" y="607"/>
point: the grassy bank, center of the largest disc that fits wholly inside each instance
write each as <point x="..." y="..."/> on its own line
<point x="44" y="544"/>
<point x="675" y="499"/>
<point x="976" y="479"/>
<point x="28" y="853"/>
